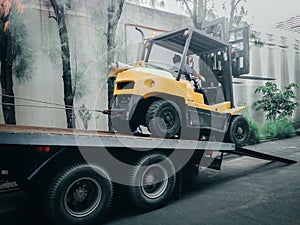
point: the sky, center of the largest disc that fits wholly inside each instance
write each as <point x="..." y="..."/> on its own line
<point x="263" y="14"/>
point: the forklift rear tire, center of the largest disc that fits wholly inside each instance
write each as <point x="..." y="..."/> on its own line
<point x="239" y="131"/>
<point x="152" y="182"/>
<point x="162" y="119"/>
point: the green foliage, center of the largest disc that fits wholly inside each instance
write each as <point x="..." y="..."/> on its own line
<point x="256" y="134"/>
<point x="279" y="128"/>
<point x="285" y="128"/>
<point x="275" y="103"/>
<point x="22" y="56"/>
<point x="78" y="61"/>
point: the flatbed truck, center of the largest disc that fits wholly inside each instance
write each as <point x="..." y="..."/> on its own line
<point x="72" y="173"/>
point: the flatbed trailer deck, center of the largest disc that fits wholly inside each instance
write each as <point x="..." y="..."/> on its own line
<point x="73" y="172"/>
<point x="28" y="135"/>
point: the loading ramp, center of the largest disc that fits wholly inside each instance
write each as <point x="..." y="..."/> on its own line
<point x="243" y="151"/>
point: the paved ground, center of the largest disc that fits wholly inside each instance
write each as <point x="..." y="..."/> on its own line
<point x="245" y="191"/>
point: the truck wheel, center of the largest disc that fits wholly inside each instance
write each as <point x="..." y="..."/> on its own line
<point x="162" y="119"/>
<point x="79" y="195"/>
<point x="239" y="131"/>
<point x="152" y="182"/>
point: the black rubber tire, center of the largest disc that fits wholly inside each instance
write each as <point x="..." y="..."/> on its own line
<point x="80" y="194"/>
<point x="239" y="131"/>
<point x="154" y="195"/>
<point x="163" y="119"/>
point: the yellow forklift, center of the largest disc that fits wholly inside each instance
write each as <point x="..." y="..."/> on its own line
<point x="173" y="104"/>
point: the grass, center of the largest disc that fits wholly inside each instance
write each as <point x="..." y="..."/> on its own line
<point x="279" y="129"/>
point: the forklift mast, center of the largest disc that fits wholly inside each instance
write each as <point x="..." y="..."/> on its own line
<point x="227" y="64"/>
<point x="238" y="40"/>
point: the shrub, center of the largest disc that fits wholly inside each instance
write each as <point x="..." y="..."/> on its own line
<point x="275" y="103"/>
<point x="256" y="134"/>
<point x="285" y="128"/>
<point x="279" y="128"/>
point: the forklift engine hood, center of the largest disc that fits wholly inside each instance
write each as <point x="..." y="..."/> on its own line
<point x="144" y="81"/>
<point x="140" y="69"/>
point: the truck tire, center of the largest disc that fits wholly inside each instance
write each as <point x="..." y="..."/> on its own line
<point x="239" y="131"/>
<point x="80" y="194"/>
<point x="162" y="119"/>
<point x="152" y="182"/>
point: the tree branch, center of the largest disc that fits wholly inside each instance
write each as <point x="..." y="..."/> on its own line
<point x="119" y="11"/>
<point x="50" y="16"/>
<point x="236" y="4"/>
<point x="54" y="6"/>
<point x="53" y="17"/>
<point x="188" y="8"/>
<point x="205" y="10"/>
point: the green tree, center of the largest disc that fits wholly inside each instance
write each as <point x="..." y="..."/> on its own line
<point x="275" y="103"/>
<point x="15" y="56"/>
<point x="60" y="8"/>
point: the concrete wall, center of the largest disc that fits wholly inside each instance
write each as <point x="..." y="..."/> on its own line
<point x="277" y="58"/>
<point x="150" y="21"/>
<point x="46" y="84"/>
<point x="88" y="58"/>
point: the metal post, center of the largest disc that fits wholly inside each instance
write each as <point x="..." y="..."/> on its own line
<point x="185" y="51"/>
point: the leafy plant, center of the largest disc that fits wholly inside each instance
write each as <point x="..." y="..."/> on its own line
<point x="15" y="55"/>
<point x="275" y="103"/>
<point x="279" y="128"/>
<point x="256" y="135"/>
<point x="285" y="128"/>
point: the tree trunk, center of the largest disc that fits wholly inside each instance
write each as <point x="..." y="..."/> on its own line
<point x="113" y="17"/>
<point x="201" y="14"/>
<point x="231" y="15"/>
<point x="8" y="101"/>
<point x="65" y="56"/>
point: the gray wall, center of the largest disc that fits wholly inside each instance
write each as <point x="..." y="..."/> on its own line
<point x="88" y="58"/>
<point x="278" y="58"/>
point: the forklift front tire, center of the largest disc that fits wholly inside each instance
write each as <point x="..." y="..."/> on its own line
<point x="239" y="131"/>
<point x="162" y="119"/>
